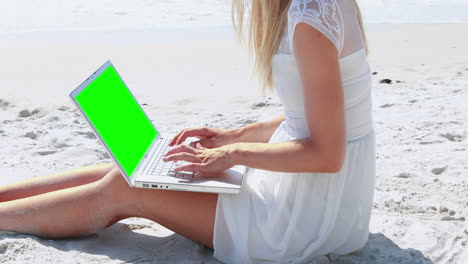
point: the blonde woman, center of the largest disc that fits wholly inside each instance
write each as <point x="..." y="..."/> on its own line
<point x="310" y="187"/>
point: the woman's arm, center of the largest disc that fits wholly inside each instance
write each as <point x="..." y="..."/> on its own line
<point x="323" y="151"/>
<point x="260" y="131"/>
<point x="317" y="59"/>
<point x="213" y="137"/>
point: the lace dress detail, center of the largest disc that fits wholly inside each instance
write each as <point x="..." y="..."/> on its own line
<point x="323" y="15"/>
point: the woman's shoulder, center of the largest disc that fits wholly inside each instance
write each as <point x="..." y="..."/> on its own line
<point x="315" y="7"/>
<point x="315" y="3"/>
<point x="324" y="15"/>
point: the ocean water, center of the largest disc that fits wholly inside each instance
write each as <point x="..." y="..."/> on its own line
<point x="58" y="15"/>
<point x="409" y="11"/>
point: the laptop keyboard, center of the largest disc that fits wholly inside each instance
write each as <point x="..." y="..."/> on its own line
<point x="159" y="167"/>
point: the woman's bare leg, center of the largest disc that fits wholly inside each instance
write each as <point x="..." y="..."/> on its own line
<point x="91" y="207"/>
<point x="54" y="182"/>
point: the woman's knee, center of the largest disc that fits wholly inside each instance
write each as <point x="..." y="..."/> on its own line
<point x="115" y="192"/>
<point x="113" y="179"/>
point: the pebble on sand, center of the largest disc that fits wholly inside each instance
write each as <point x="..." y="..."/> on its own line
<point x="46" y="152"/>
<point x="24" y="113"/>
<point x="387" y="81"/>
<point x="386" y="105"/>
<point x="3" y="248"/>
<point x="4" y="103"/>
<point x="438" y="171"/>
<point x="403" y="175"/>
<point x="31" y="135"/>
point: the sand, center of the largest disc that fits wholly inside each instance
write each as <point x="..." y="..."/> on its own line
<point x="189" y="78"/>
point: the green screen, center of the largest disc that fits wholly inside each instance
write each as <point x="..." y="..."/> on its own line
<point x="118" y="118"/>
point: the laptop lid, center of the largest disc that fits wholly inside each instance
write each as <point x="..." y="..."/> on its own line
<point x="116" y="117"/>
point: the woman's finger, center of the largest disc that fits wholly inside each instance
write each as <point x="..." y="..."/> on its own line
<point x="180" y="137"/>
<point x="182" y="156"/>
<point x="191" y="167"/>
<point x="206" y="142"/>
<point x="194" y="143"/>
<point x="174" y="139"/>
<point x="181" y="148"/>
<point x="199" y="146"/>
<point x="177" y="136"/>
<point x="188" y="132"/>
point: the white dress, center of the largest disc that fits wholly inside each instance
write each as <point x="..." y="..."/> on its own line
<point x="295" y="217"/>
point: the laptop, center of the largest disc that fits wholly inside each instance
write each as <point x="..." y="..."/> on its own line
<point x="134" y="143"/>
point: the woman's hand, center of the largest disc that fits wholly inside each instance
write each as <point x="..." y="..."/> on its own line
<point x="205" y="160"/>
<point x="209" y="137"/>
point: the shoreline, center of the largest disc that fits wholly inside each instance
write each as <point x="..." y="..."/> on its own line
<point x="201" y="31"/>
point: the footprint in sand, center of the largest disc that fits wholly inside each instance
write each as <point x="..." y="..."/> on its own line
<point x="246" y="121"/>
<point x="438" y="171"/>
<point x="54" y="142"/>
<point x="30" y="135"/>
<point x="39" y="112"/>
<point x="451" y="218"/>
<point x="61" y="145"/>
<point x="260" y="105"/>
<point x="63" y="108"/>
<point x="386" y="105"/>
<point x="89" y="135"/>
<point x="453" y="136"/>
<point x="4" y="103"/>
<point x="53" y="119"/>
<point x="443" y="209"/>
<point x="46" y="152"/>
<point x="430" y="142"/>
<point x="102" y="154"/>
<point x="403" y="175"/>
<point x="137" y="226"/>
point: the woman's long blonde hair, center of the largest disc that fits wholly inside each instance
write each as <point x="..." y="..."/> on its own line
<point x="267" y="21"/>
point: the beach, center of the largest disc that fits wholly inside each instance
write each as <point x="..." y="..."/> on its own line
<point x="200" y="76"/>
